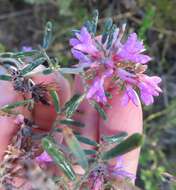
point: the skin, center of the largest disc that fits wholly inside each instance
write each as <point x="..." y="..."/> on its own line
<point x="121" y="118"/>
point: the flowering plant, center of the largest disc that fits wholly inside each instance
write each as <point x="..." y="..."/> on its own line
<point x="106" y="62"/>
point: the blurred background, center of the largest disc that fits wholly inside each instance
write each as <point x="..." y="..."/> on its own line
<point x="22" y="23"/>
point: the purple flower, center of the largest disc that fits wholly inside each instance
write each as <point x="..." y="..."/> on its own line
<point x="125" y="60"/>
<point x="132" y="50"/>
<point x="26" y="48"/>
<point x="44" y="157"/>
<point x="119" y="170"/>
<point x="130" y="94"/>
<point x="96" y="90"/>
<point x="148" y="88"/>
<point x="83" y="42"/>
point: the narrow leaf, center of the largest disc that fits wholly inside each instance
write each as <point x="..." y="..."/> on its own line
<point x="16" y="104"/>
<point x="127" y="145"/>
<point x="106" y="29"/>
<point x="111" y="35"/>
<point x="71" y="70"/>
<point x="100" y="110"/>
<point x="75" y="147"/>
<point x="59" y="158"/>
<point x="5" y="77"/>
<point x="90" y="152"/>
<point x="115" y="138"/>
<point x="32" y="65"/>
<point x="24" y="54"/>
<point x="72" y="105"/>
<point x="47" y="71"/>
<point x="71" y="122"/>
<point x="86" y="140"/>
<point x="88" y="25"/>
<point x="56" y="101"/>
<point x="47" y="35"/>
<point x="95" y="21"/>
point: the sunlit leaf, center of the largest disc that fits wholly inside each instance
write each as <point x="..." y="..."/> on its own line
<point x="16" y="104"/>
<point x="75" y="147"/>
<point x="32" y="65"/>
<point x="90" y="151"/>
<point x="71" y="122"/>
<point x="5" y="77"/>
<point x="127" y="145"/>
<point x="72" y="105"/>
<point x="56" y="101"/>
<point x="115" y="138"/>
<point x="59" y="158"/>
<point x="86" y="140"/>
<point x="100" y="110"/>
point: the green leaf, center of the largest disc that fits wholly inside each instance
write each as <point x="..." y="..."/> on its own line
<point x="24" y="54"/>
<point x="111" y="35"/>
<point x="95" y="21"/>
<point x="56" y="101"/>
<point x="16" y="104"/>
<point x="71" y="122"/>
<point x="72" y="105"/>
<point x="115" y="138"/>
<point x="71" y="70"/>
<point x="106" y="29"/>
<point x="59" y="158"/>
<point x="127" y="145"/>
<point x="86" y="140"/>
<point x="100" y="110"/>
<point x="47" y="71"/>
<point x="32" y="65"/>
<point x="88" y="25"/>
<point x="47" y="35"/>
<point x="5" y="77"/>
<point x="90" y="151"/>
<point x="75" y="147"/>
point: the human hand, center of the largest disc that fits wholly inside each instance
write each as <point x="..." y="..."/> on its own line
<point x="120" y="118"/>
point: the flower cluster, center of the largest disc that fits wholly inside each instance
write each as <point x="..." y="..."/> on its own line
<point x="103" y="173"/>
<point x="122" y="63"/>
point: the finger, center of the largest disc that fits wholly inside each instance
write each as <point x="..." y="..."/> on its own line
<point x="87" y="115"/>
<point x="123" y="118"/>
<point x="44" y="115"/>
<point x="8" y="126"/>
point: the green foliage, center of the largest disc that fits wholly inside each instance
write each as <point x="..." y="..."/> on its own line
<point x="115" y="138"/>
<point x="72" y="105"/>
<point x="59" y="158"/>
<point x="47" y="35"/>
<point x="100" y="110"/>
<point x="146" y="23"/>
<point x="127" y="145"/>
<point x="56" y="101"/>
<point x="75" y="147"/>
